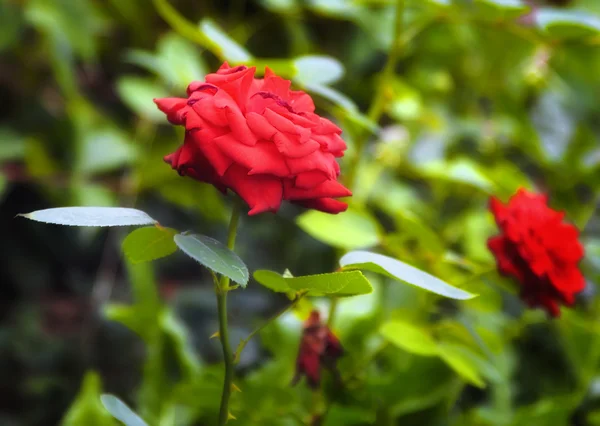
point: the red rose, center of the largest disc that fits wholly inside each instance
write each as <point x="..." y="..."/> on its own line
<point x="538" y="249"/>
<point x="318" y="348"/>
<point x="258" y="138"/>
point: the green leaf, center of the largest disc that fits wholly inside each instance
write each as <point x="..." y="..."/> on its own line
<point x="348" y="283"/>
<point x="342" y="101"/>
<point x="349" y="230"/>
<point x="317" y="69"/>
<point x="506" y="9"/>
<point x="150" y="243"/>
<point x="214" y="255"/>
<point x="272" y="280"/>
<point x="12" y="144"/>
<point x="180" y="59"/>
<point x="460" y="359"/>
<point x="411" y="338"/>
<point x="87" y="409"/>
<point x="121" y="411"/>
<point x="230" y="49"/>
<point x="567" y="23"/>
<point x="105" y="150"/>
<point x="91" y="216"/>
<point x="138" y="94"/>
<point x="401" y="271"/>
<point x="461" y="171"/>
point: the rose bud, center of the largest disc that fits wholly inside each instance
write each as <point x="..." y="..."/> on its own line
<point x="318" y="348"/>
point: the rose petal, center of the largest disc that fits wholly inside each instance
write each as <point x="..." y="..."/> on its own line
<point x="261" y="192"/>
<point x="326" y="205"/>
<point x="262" y="158"/>
<point x="327" y="189"/>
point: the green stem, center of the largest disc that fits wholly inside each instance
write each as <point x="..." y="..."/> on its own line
<point x="245" y="341"/>
<point x="378" y="103"/>
<point x="221" y="291"/>
<point x="332" y="310"/>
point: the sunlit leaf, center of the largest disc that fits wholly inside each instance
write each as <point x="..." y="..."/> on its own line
<point x="349" y="230"/>
<point x="150" y="243"/>
<point x="506" y="9"/>
<point x="567" y="23"/>
<point x="121" y="411"/>
<point x="138" y="94"/>
<point x="401" y="271"/>
<point x="409" y="337"/>
<point x="105" y="150"/>
<point x="461" y="170"/>
<point x="229" y="48"/>
<point x="314" y="69"/>
<point x="347" y="283"/>
<point x="460" y="360"/>
<point x="91" y="216"/>
<point x="214" y="255"/>
<point x="87" y="409"/>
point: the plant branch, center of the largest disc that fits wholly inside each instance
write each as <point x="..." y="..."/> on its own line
<point x="221" y="291"/>
<point x="245" y="341"/>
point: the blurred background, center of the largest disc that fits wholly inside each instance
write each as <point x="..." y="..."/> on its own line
<point x="486" y="96"/>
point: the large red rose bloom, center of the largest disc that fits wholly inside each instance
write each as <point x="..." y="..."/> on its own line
<point x="258" y="138"/>
<point x="538" y="249"/>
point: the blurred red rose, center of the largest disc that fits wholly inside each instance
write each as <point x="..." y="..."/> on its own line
<point x="258" y="138"/>
<point x="318" y="348"/>
<point x="538" y="249"/>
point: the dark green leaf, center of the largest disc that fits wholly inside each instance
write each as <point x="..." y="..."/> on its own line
<point x="214" y="255"/>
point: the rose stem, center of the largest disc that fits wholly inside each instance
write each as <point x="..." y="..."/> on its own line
<point x="221" y="291"/>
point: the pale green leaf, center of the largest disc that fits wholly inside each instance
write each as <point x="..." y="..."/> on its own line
<point x="315" y="69"/>
<point x="396" y="269"/>
<point x="567" y="23"/>
<point x="409" y="337"/>
<point x="138" y="94"/>
<point x="230" y="49"/>
<point x="349" y="230"/>
<point x="105" y="150"/>
<point x="121" y="411"/>
<point x="91" y="216"/>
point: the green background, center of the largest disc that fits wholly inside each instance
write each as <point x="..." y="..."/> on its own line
<point x="486" y="97"/>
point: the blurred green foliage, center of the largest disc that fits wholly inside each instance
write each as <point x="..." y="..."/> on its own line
<point x="487" y="96"/>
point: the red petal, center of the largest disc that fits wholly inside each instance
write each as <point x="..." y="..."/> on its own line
<point x="262" y="158"/>
<point x="326" y="205"/>
<point x="262" y="193"/>
<point x="328" y="189"/>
